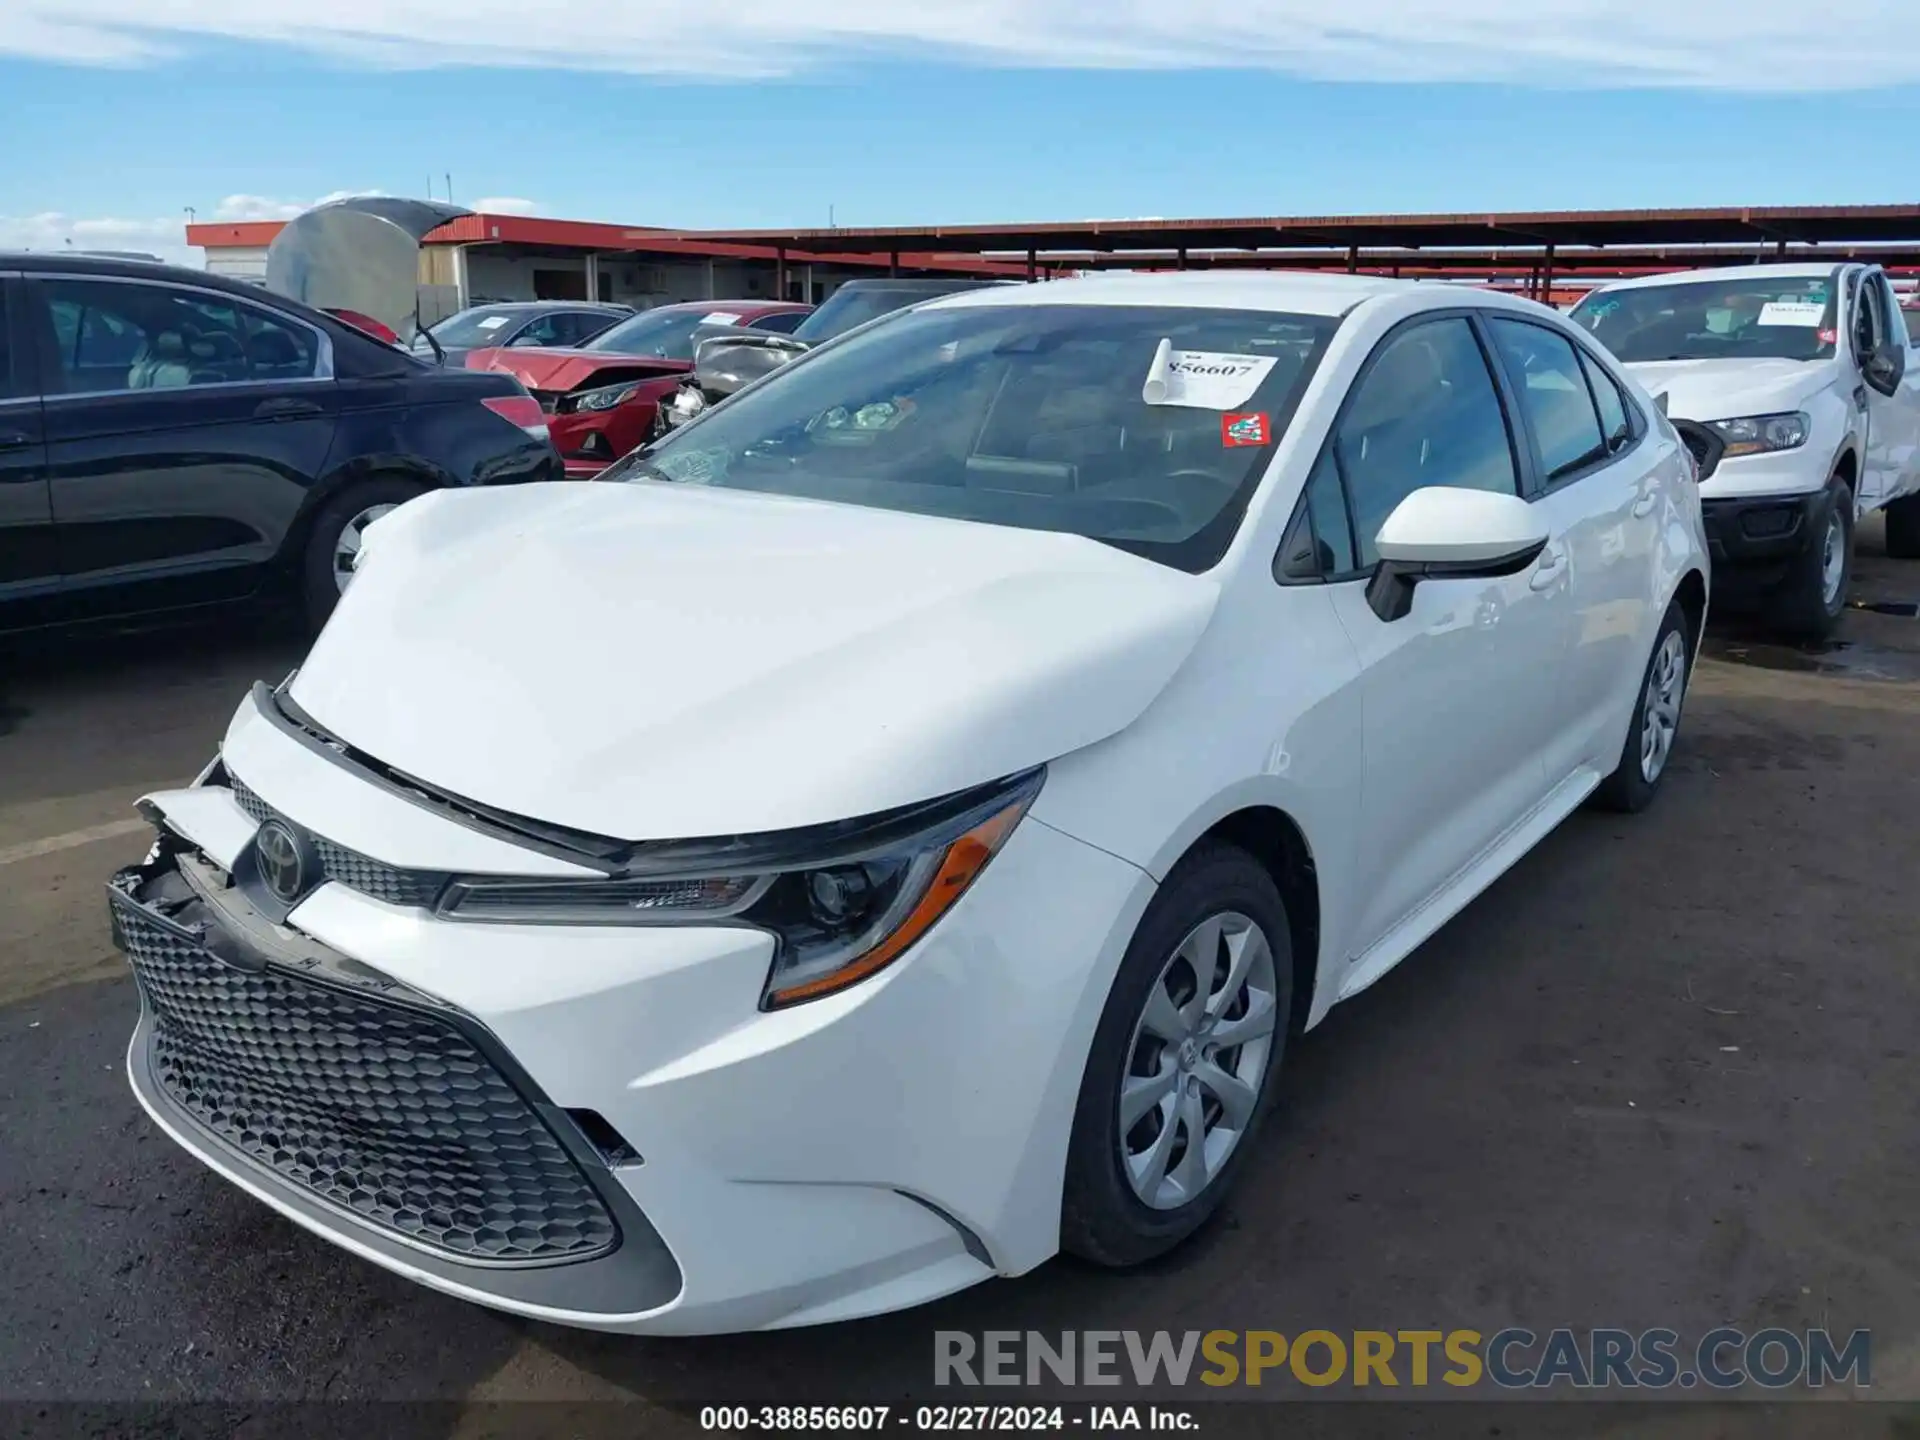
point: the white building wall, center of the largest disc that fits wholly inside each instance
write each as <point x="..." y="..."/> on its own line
<point x="238" y="262"/>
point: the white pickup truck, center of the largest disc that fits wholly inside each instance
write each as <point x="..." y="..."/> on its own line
<point x="1797" y="389"/>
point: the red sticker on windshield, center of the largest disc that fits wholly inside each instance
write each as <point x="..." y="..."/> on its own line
<point x="1251" y="429"/>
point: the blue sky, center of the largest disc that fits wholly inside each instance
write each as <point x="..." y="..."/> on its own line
<point x="912" y="133"/>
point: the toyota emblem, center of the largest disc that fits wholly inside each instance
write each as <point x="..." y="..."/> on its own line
<point x="283" y="860"/>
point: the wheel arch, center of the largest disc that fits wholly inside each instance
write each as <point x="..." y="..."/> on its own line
<point x="361" y="470"/>
<point x="1691" y="596"/>
<point x="1277" y="841"/>
<point x="1846" y="465"/>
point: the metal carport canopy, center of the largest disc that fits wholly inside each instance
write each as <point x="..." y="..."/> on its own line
<point x="1744" y="227"/>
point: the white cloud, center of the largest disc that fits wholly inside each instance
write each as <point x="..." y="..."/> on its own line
<point x="164" y="237"/>
<point x="1768" y="45"/>
<point x="53" y="230"/>
<point x="503" y="205"/>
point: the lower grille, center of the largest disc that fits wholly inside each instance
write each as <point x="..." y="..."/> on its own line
<point x="388" y="1113"/>
<point x="382" y="881"/>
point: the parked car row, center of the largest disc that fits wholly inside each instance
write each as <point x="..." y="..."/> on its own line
<point x="1048" y="702"/>
<point x="600" y="396"/>
<point x="610" y="395"/>
<point x="518" y="324"/>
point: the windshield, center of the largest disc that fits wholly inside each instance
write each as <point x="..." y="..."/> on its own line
<point x="1031" y="416"/>
<point x="853" y="305"/>
<point x="473" y="329"/>
<point x="1791" y="318"/>
<point x="666" y="333"/>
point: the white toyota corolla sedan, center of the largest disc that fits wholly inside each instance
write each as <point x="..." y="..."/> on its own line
<point x="894" y="836"/>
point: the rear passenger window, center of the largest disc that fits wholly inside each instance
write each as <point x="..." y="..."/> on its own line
<point x="1614" y="426"/>
<point x="1553" y="390"/>
<point x="1426" y="413"/>
<point x="278" y="351"/>
<point x="114" y="336"/>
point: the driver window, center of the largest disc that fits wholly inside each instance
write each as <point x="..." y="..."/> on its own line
<point x="1426" y="413"/>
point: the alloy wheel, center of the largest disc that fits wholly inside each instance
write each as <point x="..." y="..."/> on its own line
<point x="346" y="550"/>
<point x="1833" y="559"/>
<point x="1666" y="691"/>
<point x="1198" y="1059"/>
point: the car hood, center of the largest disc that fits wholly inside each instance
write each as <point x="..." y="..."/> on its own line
<point x="563" y="370"/>
<point x="1726" y="389"/>
<point x="649" y="661"/>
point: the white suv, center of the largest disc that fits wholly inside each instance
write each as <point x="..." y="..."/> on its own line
<point x="1795" y="388"/>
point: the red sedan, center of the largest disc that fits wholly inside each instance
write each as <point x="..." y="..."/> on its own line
<point x="600" y="398"/>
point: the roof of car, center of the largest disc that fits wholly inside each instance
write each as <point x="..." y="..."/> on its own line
<point x="69" y="262"/>
<point x="610" y="306"/>
<point x="730" y="307"/>
<point x="1817" y="270"/>
<point x="1273" y="290"/>
<point x="931" y="284"/>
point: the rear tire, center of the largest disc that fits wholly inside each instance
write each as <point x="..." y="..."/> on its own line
<point x="1106" y="1214"/>
<point x="335" y="535"/>
<point x="1648" y="752"/>
<point x="1903" y="528"/>
<point x="1809" y="602"/>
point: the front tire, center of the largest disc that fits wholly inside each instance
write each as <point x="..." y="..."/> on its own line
<point x="1655" y="728"/>
<point x="1809" y="602"/>
<point x="334" y="541"/>
<point x="1181" y="1072"/>
<point x="1903" y="528"/>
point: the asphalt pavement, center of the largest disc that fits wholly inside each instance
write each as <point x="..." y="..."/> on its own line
<point x="1663" y="1074"/>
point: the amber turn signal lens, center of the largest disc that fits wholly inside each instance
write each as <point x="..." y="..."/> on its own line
<point x="959" y="867"/>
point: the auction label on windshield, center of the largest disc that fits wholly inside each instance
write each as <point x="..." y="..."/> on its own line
<point x="1792" y="312"/>
<point x="1207" y="379"/>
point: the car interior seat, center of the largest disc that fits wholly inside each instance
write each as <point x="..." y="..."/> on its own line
<point x="162" y="364"/>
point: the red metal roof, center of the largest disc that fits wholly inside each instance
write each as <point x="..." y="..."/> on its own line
<point x="1750" y="226"/>
<point x="587" y="236"/>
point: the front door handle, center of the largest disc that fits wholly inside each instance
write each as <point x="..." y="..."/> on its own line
<point x="14" y="440"/>
<point x="1643" y="507"/>
<point x="285" y="409"/>
<point x="1553" y="564"/>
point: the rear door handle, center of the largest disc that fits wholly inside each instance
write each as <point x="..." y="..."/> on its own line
<point x="14" y="440"/>
<point x="285" y="409"/>
<point x="1643" y="507"/>
<point x="1552" y="563"/>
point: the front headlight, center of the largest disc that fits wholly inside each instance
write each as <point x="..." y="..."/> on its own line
<point x="842" y="901"/>
<point x="1760" y="434"/>
<point x="606" y="397"/>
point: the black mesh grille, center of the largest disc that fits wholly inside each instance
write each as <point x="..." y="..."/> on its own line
<point x="386" y="1112"/>
<point x="352" y="869"/>
<point x="1705" y="446"/>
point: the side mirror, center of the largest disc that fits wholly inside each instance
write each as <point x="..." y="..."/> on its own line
<point x="1440" y="533"/>
<point x="1886" y="368"/>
